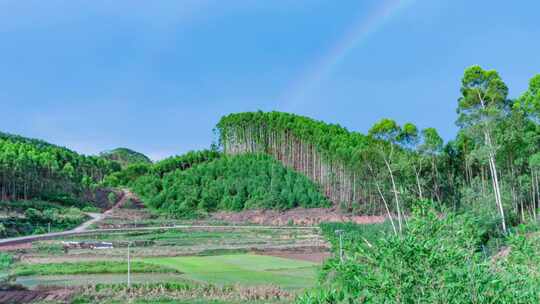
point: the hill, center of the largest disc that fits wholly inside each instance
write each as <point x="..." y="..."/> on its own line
<point x="34" y="169"/>
<point x="125" y="156"/>
<point x="234" y="183"/>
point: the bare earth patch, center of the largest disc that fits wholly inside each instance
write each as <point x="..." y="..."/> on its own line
<point x="56" y="295"/>
<point x="298" y="216"/>
<point x="13" y="247"/>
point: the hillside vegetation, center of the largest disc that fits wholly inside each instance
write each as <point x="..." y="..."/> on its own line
<point x="234" y="183"/>
<point x="131" y="172"/>
<point x="125" y="156"/>
<point x="31" y="168"/>
<point x="44" y="186"/>
<point x="496" y="154"/>
<point x="479" y="241"/>
<point x="20" y="218"/>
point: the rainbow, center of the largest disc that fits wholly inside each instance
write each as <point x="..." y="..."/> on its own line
<point x="358" y="33"/>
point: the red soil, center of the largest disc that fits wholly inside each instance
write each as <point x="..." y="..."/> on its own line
<point x="299" y="216"/>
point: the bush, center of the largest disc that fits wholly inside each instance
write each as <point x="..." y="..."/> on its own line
<point x="437" y="260"/>
<point x="37" y="218"/>
<point x="5" y="261"/>
<point x="112" y="197"/>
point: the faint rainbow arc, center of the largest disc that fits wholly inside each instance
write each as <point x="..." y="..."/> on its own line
<point x="353" y="37"/>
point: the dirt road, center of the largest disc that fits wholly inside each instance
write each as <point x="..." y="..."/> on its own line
<point x="95" y="217"/>
<point x="126" y="196"/>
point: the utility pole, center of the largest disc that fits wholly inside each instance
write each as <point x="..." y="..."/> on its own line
<point x="340" y="233"/>
<point x="128" y="266"/>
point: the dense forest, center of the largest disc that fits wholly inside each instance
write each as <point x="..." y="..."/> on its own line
<point x="494" y="158"/>
<point x="31" y="168"/>
<point x="125" y="156"/>
<point x="133" y="171"/>
<point x="46" y="187"/>
<point x="200" y="182"/>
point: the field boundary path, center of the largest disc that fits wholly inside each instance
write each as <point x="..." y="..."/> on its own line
<point x="47" y="236"/>
<point x="126" y="195"/>
<point x="94" y="218"/>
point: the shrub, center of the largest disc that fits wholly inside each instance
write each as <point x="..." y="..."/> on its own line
<point x="5" y="261"/>
<point x="437" y="260"/>
<point x="112" y="197"/>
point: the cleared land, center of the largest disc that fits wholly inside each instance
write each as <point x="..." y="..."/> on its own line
<point x="220" y="262"/>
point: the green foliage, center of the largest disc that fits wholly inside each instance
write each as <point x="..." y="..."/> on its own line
<point x="439" y="259"/>
<point x="243" y="269"/>
<point x="529" y="102"/>
<point x="49" y="248"/>
<point x="91" y="209"/>
<point x="354" y="233"/>
<point x="125" y="157"/>
<point x="184" y="161"/>
<point x="112" y="197"/>
<point x="333" y="141"/>
<point x="6" y="260"/>
<point x="93" y="267"/>
<point x="32" y="168"/>
<point x="230" y="183"/>
<point x="355" y="170"/>
<point x="130" y="173"/>
<point x="33" y="217"/>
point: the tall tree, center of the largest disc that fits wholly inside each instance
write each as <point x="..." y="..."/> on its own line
<point x="530" y="100"/>
<point x="481" y="106"/>
<point x="388" y="132"/>
<point x="431" y="148"/>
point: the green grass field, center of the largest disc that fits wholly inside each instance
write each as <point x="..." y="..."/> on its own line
<point x="97" y="267"/>
<point x="243" y="269"/>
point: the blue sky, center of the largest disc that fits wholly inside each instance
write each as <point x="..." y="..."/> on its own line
<point x="156" y="76"/>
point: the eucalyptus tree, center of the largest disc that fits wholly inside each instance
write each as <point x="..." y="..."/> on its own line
<point x="31" y="168"/>
<point x="410" y="139"/>
<point x="481" y="106"/>
<point x="431" y="148"/>
<point x="233" y="183"/>
<point x="386" y="133"/>
<point x="530" y="100"/>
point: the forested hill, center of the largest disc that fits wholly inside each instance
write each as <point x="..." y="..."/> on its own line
<point x="125" y="156"/>
<point x="31" y="168"/>
<point x="233" y="183"/>
<point x="344" y="163"/>
<point x="495" y="155"/>
<point x="33" y="141"/>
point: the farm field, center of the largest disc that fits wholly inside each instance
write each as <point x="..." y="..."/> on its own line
<point x="220" y="264"/>
<point x="219" y="270"/>
<point x="244" y="269"/>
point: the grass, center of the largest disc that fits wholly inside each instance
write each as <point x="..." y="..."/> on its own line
<point x="189" y="238"/>
<point x="6" y="260"/>
<point x="355" y="233"/>
<point x="78" y="280"/>
<point x="199" y="301"/>
<point x="96" y="267"/>
<point x="176" y="301"/>
<point x="182" y="292"/>
<point x="243" y="269"/>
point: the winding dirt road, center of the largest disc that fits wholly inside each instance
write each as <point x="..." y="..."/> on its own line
<point x="96" y="217"/>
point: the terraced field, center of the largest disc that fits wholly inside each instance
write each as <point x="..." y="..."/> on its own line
<point x="244" y="269"/>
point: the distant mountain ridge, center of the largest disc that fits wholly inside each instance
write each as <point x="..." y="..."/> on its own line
<point x="125" y="156"/>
